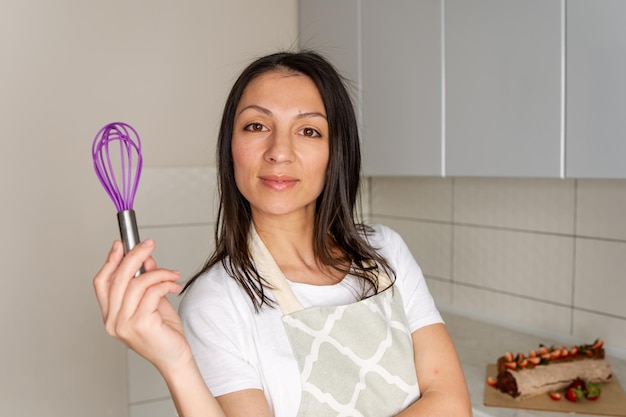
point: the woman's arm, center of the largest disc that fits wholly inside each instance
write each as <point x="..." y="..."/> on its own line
<point x="439" y="374"/>
<point x="245" y="403"/>
<point x="190" y="394"/>
<point x="135" y="310"/>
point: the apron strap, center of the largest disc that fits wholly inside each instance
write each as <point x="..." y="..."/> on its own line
<point x="269" y="270"/>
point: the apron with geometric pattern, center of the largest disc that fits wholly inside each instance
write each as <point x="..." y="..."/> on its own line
<point x="355" y="360"/>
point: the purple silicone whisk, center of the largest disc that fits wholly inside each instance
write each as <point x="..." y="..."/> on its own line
<point x="117" y="160"/>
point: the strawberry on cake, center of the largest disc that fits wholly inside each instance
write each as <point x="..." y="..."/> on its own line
<point x="550" y="369"/>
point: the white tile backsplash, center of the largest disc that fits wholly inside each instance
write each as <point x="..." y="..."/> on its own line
<point x="441" y="290"/>
<point x="416" y="198"/>
<point x="527" y="264"/>
<point x="601" y="276"/>
<point x="547" y="254"/>
<point x="601" y="209"/>
<point x="430" y="244"/>
<point x="544" y="205"/>
<point x="589" y="326"/>
<point x="521" y="312"/>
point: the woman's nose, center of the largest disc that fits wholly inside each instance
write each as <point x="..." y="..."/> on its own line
<point x="279" y="147"/>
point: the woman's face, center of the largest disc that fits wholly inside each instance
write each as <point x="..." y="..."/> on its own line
<point x="280" y="145"/>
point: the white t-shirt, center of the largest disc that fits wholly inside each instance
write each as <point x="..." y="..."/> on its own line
<point x="237" y="348"/>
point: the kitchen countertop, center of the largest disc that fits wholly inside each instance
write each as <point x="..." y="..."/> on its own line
<point x="480" y="343"/>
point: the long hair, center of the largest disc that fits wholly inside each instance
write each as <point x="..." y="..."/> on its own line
<point x="336" y="204"/>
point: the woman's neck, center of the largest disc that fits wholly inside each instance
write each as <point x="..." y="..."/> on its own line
<point x="291" y="246"/>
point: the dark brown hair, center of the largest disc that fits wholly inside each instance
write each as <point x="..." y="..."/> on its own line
<point x="336" y="205"/>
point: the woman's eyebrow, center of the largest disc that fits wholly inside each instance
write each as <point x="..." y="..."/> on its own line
<point x="310" y="114"/>
<point x="255" y="107"/>
<point x="268" y="112"/>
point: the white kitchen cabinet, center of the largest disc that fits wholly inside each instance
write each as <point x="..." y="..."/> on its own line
<point x="392" y="53"/>
<point x="402" y="87"/>
<point x="596" y="89"/>
<point x="503" y="68"/>
<point x="486" y="88"/>
<point x="332" y="28"/>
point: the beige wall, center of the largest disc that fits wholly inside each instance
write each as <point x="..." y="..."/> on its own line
<point x="66" y="68"/>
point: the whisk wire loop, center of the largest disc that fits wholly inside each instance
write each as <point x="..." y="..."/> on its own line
<point x="128" y="163"/>
<point x="121" y="190"/>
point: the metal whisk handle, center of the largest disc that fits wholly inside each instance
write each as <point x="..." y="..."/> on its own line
<point x="129" y="232"/>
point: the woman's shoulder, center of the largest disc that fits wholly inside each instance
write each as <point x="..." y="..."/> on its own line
<point x="380" y="235"/>
<point x="215" y="276"/>
<point x="214" y="289"/>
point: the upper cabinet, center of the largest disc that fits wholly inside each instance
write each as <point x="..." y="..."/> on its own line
<point x="495" y="88"/>
<point x="596" y="89"/>
<point x="381" y="50"/>
<point x="401" y="87"/>
<point x="503" y="91"/>
<point x="332" y="28"/>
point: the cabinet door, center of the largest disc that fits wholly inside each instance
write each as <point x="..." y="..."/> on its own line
<point x="401" y="88"/>
<point x="596" y="89"/>
<point x="503" y="71"/>
<point x="332" y="28"/>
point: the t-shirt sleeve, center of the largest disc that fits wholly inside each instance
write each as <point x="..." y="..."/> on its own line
<point x="419" y="304"/>
<point x="216" y="328"/>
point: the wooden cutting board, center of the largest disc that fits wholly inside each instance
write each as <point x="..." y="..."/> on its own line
<point x="612" y="401"/>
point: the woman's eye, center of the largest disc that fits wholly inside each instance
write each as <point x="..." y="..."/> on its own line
<point x="255" y="127"/>
<point x="310" y="132"/>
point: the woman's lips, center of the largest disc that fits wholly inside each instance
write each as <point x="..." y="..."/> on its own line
<point x="278" y="183"/>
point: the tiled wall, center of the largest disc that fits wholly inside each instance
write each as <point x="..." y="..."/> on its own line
<point x="541" y="255"/>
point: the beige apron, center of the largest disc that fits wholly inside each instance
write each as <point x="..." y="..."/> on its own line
<point x="356" y="359"/>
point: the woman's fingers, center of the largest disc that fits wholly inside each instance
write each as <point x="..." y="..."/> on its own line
<point x="135" y="309"/>
<point x="149" y="264"/>
<point x="102" y="280"/>
<point x="123" y="274"/>
<point x="151" y="327"/>
<point x="112" y="268"/>
<point x="138" y="256"/>
<point x="143" y="293"/>
<point x="155" y="318"/>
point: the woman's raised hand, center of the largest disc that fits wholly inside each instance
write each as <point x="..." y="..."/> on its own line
<point x="136" y="311"/>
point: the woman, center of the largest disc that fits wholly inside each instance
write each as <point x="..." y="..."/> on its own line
<point x="299" y="311"/>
